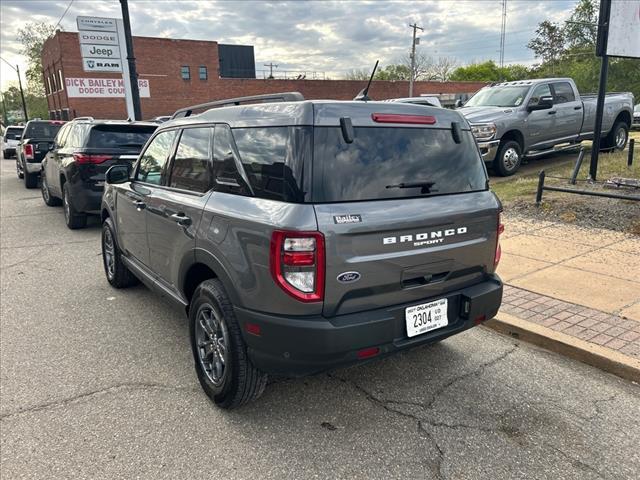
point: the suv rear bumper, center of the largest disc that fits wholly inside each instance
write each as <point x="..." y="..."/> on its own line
<point x="302" y="346"/>
<point x="86" y="197"/>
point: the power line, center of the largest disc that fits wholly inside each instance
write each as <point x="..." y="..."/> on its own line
<point x="63" y="15"/>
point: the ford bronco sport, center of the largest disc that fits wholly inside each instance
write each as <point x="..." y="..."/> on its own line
<point x="304" y="235"/>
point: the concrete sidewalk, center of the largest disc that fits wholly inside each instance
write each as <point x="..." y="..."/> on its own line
<point x="573" y="290"/>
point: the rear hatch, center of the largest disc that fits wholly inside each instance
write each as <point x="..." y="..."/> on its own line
<point x="111" y="144"/>
<point x="404" y="209"/>
<point x="40" y="135"/>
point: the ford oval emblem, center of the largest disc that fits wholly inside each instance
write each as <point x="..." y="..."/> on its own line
<point x="348" y="277"/>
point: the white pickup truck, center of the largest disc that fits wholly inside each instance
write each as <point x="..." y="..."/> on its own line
<point x="530" y="118"/>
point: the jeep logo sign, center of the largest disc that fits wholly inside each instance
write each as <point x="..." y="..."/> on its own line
<point x="100" y="51"/>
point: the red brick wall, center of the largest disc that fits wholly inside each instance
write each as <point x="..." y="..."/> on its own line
<point x="158" y="60"/>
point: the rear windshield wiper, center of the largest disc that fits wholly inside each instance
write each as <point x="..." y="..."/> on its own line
<point x="426" y="186"/>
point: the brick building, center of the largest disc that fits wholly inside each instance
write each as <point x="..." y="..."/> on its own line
<point x="178" y="73"/>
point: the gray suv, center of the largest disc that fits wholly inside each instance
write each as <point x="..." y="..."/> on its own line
<point x="304" y="235"/>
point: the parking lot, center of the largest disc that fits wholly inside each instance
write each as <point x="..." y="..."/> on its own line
<point x="99" y="383"/>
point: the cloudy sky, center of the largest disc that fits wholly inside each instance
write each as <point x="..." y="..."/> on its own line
<point x="330" y="37"/>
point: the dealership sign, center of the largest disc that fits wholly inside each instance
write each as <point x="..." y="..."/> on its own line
<point x="100" y="40"/>
<point x="97" y="24"/>
<point x="90" y="37"/>
<point x="101" y="65"/>
<point x="100" y="51"/>
<point x="102" y="88"/>
<point x="624" y="29"/>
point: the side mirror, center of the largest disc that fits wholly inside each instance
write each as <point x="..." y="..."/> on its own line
<point x="118" y="174"/>
<point x="458" y="103"/>
<point x="544" y="103"/>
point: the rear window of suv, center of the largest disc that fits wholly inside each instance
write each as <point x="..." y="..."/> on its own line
<point x="13" y="133"/>
<point x="47" y="130"/>
<point x="123" y="137"/>
<point x="380" y="160"/>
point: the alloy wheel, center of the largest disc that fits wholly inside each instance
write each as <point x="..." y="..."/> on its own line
<point x="621" y="138"/>
<point x="109" y="252"/>
<point x="45" y="190"/>
<point x="212" y="339"/>
<point x="510" y="158"/>
<point x="67" y="208"/>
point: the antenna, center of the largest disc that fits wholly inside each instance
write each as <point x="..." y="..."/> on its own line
<point x="363" y="95"/>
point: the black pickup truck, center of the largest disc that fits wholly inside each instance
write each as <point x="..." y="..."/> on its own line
<point x="37" y="140"/>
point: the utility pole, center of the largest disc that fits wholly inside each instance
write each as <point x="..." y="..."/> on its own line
<point x="413" y="56"/>
<point x="503" y="32"/>
<point x="24" y="104"/>
<point x="131" y="60"/>
<point x="5" y="120"/>
<point x="270" y="65"/>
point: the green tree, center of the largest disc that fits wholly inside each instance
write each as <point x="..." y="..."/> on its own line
<point x="549" y="42"/>
<point x="489" y="71"/>
<point x="36" y="104"/>
<point x="32" y="37"/>
<point x="393" y="72"/>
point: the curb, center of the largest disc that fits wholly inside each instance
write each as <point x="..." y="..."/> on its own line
<point x="558" y="342"/>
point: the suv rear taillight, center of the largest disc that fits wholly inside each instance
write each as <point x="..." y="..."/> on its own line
<point x="498" y="254"/>
<point x="298" y="264"/>
<point x="28" y="151"/>
<point x="84" y="159"/>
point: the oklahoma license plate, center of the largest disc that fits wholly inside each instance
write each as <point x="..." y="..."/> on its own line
<point x="426" y="317"/>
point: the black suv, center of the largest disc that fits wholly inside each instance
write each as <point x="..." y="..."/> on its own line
<point x="304" y="235"/>
<point x="37" y="140"/>
<point x="84" y="149"/>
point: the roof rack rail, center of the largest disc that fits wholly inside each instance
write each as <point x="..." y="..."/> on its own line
<point x="268" y="98"/>
<point x="85" y="118"/>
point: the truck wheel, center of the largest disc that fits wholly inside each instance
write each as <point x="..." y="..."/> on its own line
<point x="617" y="137"/>
<point x="19" y="172"/>
<point x="49" y="199"/>
<point x="72" y="218"/>
<point x="30" y="179"/>
<point x="118" y="275"/>
<point x="508" y="159"/>
<point x="220" y="354"/>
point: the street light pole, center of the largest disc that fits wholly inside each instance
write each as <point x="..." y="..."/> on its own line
<point x="4" y="113"/>
<point x="413" y="57"/>
<point x="131" y="60"/>
<point x="24" y="104"/>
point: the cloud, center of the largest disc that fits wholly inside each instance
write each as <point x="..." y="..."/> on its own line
<point x="331" y="37"/>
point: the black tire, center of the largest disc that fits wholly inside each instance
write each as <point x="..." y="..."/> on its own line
<point x="617" y="137"/>
<point x="238" y="382"/>
<point x="72" y="217"/>
<point x="508" y="159"/>
<point x="30" y="180"/>
<point x="118" y="275"/>
<point x="49" y="199"/>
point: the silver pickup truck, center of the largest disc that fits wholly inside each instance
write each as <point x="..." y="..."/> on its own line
<point x="530" y="118"/>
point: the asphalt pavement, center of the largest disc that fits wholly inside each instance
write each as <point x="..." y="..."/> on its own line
<point x="99" y="383"/>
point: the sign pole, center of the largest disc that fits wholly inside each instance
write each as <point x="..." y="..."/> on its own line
<point x="131" y="62"/>
<point x="126" y="77"/>
<point x="601" y="51"/>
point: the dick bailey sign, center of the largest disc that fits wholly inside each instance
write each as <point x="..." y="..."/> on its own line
<point x="102" y="87"/>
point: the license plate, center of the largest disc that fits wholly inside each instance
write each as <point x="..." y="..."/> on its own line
<point x="426" y="317"/>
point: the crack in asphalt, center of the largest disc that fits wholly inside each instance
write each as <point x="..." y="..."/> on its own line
<point x="95" y="393"/>
<point x="578" y="463"/>
<point x="387" y="405"/>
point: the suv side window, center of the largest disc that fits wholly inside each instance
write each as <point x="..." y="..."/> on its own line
<point x="152" y="162"/>
<point x="61" y="138"/>
<point x="540" y="91"/>
<point x="226" y="163"/>
<point x="563" y="92"/>
<point x="191" y="169"/>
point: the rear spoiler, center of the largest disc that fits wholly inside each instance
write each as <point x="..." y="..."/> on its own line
<point x="268" y="98"/>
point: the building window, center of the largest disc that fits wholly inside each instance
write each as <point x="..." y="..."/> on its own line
<point x="202" y="71"/>
<point x="185" y="72"/>
<point x="47" y="90"/>
<point x="61" y="85"/>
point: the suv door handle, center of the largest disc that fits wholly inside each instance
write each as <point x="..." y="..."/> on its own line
<point x="140" y="205"/>
<point x="577" y="108"/>
<point x="552" y="112"/>
<point x="181" y="219"/>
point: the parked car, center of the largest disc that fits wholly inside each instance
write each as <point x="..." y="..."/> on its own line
<point x="428" y="100"/>
<point x="84" y="149"/>
<point x="636" y="116"/>
<point x="37" y="140"/>
<point x="10" y="139"/>
<point x="305" y="235"/>
<point x="534" y="117"/>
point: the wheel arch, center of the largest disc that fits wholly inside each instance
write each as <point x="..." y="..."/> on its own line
<point x="515" y="135"/>
<point x="623" y="116"/>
